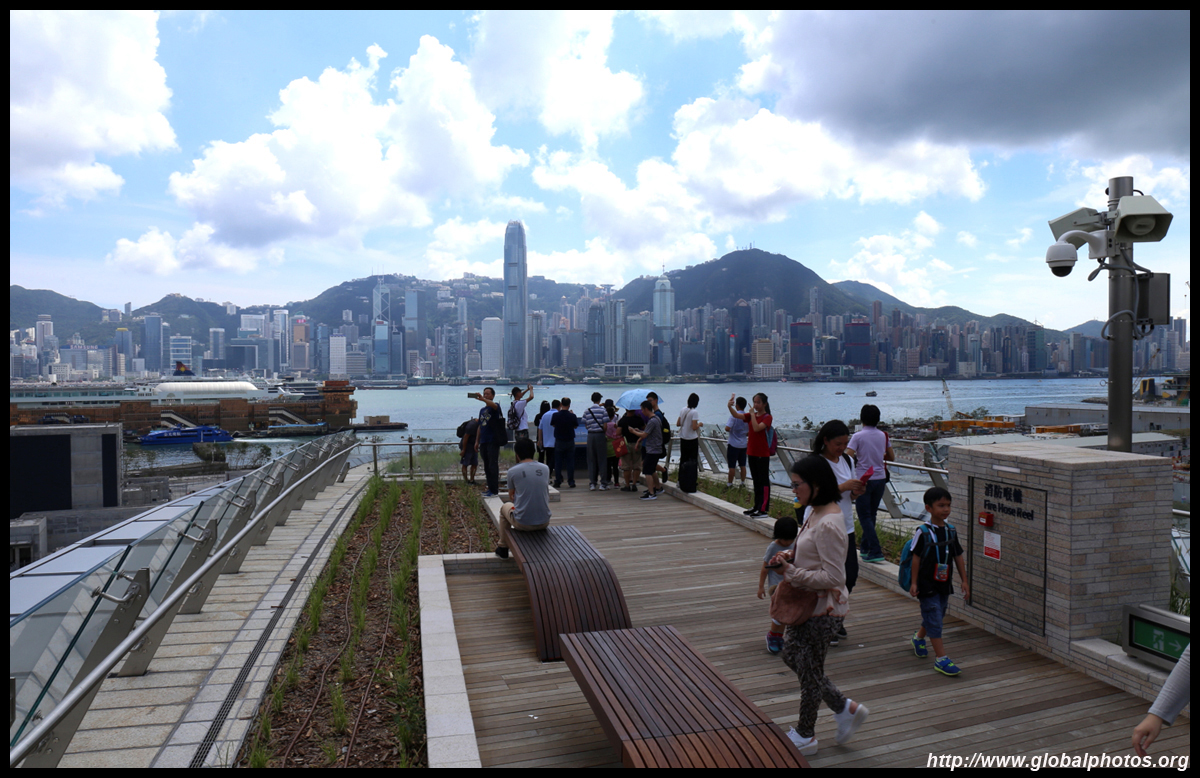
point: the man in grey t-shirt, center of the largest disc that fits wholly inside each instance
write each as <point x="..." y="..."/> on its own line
<point x="528" y="506"/>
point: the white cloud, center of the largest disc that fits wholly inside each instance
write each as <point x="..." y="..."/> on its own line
<point x="556" y="64"/>
<point x="967" y="239"/>
<point x="691" y="24"/>
<point x="926" y="225"/>
<point x="893" y="263"/>
<point x="1171" y="186"/>
<point x="159" y="253"/>
<point x="1023" y="236"/>
<point x="453" y="239"/>
<point x="749" y="163"/>
<point x="517" y="205"/>
<point x="342" y="163"/>
<point x="82" y="83"/>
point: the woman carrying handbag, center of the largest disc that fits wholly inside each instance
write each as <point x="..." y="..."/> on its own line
<point x="815" y="566"/>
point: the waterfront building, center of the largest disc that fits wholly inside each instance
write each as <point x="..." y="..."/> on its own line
<point x="493" y="345"/>
<point x="664" y="304"/>
<point x="739" y="361"/>
<point x="640" y="335"/>
<point x="516" y="301"/>
<point x="416" y="320"/>
<point x="614" y="332"/>
<point x="801" y="347"/>
<point x="858" y="344"/>
<point x="279" y="331"/>
<point x="337" y="355"/>
<point x="181" y="351"/>
<point x="123" y="340"/>
<point x="216" y="342"/>
<point x="152" y="342"/>
<point x="593" y="345"/>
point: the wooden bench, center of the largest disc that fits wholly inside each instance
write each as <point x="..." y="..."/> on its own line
<point x="572" y="587"/>
<point x="662" y="704"/>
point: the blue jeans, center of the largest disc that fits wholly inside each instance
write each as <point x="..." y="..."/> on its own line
<point x="933" y="610"/>
<point x="868" y="505"/>
<point x="564" y="458"/>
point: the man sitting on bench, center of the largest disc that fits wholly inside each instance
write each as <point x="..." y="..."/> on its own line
<point x="528" y="506"/>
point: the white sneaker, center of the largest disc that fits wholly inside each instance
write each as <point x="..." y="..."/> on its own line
<point x="604" y="487"/>
<point x="848" y="723"/>
<point x="807" y="745"/>
<point x="591" y="487"/>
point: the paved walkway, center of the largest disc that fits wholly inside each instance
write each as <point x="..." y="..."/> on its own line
<point x="203" y="689"/>
<point x="683" y="566"/>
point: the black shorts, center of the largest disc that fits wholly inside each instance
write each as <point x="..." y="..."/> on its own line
<point x="736" y="456"/>
<point x="649" y="462"/>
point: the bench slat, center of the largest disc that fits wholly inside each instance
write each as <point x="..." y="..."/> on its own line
<point x="572" y="587"/>
<point x="662" y="704"/>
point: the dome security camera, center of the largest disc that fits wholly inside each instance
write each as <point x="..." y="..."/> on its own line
<point x="1061" y="258"/>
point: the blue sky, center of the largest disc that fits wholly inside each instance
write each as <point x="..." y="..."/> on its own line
<point x="263" y="157"/>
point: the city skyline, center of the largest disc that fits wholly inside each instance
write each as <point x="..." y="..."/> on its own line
<point x="249" y="156"/>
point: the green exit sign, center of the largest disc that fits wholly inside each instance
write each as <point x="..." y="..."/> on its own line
<point x="1157" y="638"/>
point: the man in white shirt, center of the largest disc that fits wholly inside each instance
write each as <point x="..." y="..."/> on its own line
<point x="521" y="401"/>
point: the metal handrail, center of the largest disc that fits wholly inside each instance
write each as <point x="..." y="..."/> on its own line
<point x="100" y="672"/>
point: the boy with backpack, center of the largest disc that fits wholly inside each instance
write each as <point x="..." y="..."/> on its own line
<point x="933" y="548"/>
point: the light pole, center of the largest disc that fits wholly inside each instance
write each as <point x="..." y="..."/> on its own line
<point x="1137" y="298"/>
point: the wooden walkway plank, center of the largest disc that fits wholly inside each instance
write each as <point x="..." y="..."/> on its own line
<point x="680" y="566"/>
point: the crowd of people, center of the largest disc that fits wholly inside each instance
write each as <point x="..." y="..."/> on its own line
<point x="814" y="553"/>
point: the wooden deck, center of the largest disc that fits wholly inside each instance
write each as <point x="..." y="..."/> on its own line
<point x="680" y="565"/>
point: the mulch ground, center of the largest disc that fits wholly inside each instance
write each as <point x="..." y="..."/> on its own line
<point x="382" y="701"/>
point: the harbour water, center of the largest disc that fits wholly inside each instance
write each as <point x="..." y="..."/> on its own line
<point x="433" y="412"/>
<point x="440" y="407"/>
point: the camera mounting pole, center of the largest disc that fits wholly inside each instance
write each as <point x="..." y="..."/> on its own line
<point x="1122" y="285"/>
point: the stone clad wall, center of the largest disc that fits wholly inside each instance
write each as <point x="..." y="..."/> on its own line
<point x="1107" y="539"/>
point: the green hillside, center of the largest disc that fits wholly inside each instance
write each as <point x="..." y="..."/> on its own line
<point x="742" y="275"/>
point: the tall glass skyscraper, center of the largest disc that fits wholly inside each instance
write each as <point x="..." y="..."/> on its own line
<point x="152" y="342"/>
<point x="516" y="300"/>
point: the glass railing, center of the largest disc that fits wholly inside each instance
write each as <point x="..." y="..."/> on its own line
<point x="61" y="605"/>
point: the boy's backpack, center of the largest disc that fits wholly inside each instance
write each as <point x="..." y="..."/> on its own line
<point x="468" y="427"/>
<point x="514" y="418"/>
<point x="906" y="554"/>
<point x="772" y="440"/>
<point x="666" y="428"/>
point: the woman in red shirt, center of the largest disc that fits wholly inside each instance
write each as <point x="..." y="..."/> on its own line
<point x="758" y="453"/>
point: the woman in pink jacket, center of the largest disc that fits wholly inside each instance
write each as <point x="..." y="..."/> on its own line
<point x="818" y="563"/>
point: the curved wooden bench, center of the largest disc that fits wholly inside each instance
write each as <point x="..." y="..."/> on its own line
<point x="572" y="587"/>
<point x="662" y="704"/>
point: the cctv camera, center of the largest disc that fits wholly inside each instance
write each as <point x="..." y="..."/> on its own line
<point x="1061" y="258"/>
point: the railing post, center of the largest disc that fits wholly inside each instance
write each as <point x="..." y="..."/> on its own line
<point x="50" y="749"/>
<point x="375" y="457"/>
<point x="411" y="465"/>
<point x="139" y="657"/>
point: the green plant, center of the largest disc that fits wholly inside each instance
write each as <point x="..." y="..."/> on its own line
<point x="347" y="668"/>
<point x="258" y="755"/>
<point x="337" y="704"/>
<point x="330" y="751"/>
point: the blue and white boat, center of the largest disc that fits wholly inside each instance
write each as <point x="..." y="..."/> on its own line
<point x="205" y="433"/>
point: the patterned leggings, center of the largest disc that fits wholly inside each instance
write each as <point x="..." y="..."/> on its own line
<point x="804" y="650"/>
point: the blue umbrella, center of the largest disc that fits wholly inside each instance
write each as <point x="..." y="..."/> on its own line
<point x="632" y="399"/>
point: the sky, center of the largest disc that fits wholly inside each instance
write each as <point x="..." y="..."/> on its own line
<point x="262" y="157"/>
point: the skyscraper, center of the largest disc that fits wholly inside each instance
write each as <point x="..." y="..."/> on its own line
<point x="664" y="303"/>
<point x="381" y="328"/>
<point x="152" y="342"/>
<point x="516" y="300"/>
<point x="493" y="344"/>
<point x="416" y="320"/>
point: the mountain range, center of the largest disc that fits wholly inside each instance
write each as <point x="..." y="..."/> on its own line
<point x="739" y="275"/>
